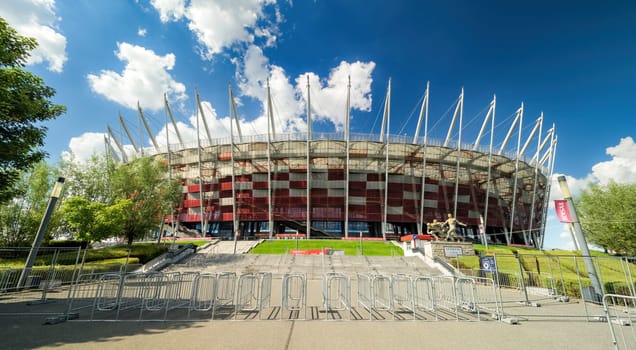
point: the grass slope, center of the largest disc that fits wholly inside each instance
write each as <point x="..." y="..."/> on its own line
<point x="371" y="248"/>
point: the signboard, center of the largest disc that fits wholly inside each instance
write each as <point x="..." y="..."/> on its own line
<point x="487" y="263"/>
<point x="562" y="210"/>
<point x="453" y="252"/>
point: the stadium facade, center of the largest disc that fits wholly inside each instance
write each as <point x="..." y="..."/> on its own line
<point x="350" y="185"/>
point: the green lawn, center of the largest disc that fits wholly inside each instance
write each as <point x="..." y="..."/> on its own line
<point x="372" y="248"/>
<point x="558" y="266"/>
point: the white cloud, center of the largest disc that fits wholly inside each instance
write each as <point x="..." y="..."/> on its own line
<point x="169" y="9"/>
<point x="83" y="147"/>
<point x="221" y="24"/>
<point x="142" y="31"/>
<point x="622" y="167"/>
<point x="575" y="186"/>
<point x="328" y="97"/>
<point x="37" y="19"/>
<point x="145" y="79"/>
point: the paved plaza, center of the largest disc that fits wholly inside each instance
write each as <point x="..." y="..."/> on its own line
<point x="553" y="325"/>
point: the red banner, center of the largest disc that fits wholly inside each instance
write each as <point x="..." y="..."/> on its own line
<point x="562" y="210"/>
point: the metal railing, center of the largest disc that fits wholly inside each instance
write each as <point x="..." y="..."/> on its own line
<point x="336" y="295"/>
<point x="620" y="314"/>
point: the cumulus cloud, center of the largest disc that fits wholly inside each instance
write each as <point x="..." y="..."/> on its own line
<point x="328" y="95"/>
<point x="37" y="19"/>
<point x="169" y="9"/>
<point x="145" y="78"/>
<point x="622" y="167"/>
<point x="218" y="25"/>
<point x="83" y="147"/>
<point x="142" y="31"/>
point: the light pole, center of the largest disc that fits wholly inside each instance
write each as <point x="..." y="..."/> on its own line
<point x="55" y="194"/>
<point x="580" y="237"/>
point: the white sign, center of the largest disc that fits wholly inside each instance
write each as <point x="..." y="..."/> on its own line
<point x="453" y="252"/>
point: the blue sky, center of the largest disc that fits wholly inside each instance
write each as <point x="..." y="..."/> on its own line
<point x="575" y="61"/>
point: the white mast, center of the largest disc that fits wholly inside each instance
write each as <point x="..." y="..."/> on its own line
<point x="270" y="191"/>
<point x="423" y="110"/>
<point x="514" y="186"/>
<point x="205" y="123"/>
<point x="132" y="140"/>
<point x="145" y="122"/>
<point x="536" y="179"/>
<point x="347" y="117"/>
<point x="455" y="114"/>
<point x="235" y="114"/>
<point x="308" y="192"/>
<point x="201" y="209"/>
<point x="493" y="107"/>
<point x="235" y="222"/>
<point x="117" y="143"/>
<point x="459" y="150"/>
<point x="387" y="119"/>
<point x="174" y="123"/>
<point x="419" y="119"/>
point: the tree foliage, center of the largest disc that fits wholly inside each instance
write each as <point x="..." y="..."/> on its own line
<point x="21" y="217"/>
<point x="94" y="221"/>
<point x="608" y="216"/>
<point x="143" y="181"/>
<point x="25" y="102"/>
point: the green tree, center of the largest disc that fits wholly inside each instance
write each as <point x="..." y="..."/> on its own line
<point x="89" y="179"/>
<point x="608" y="216"/>
<point x="21" y="217"/>
<point x="144" y="182"/>
<point x="25" y="102"/>
<point x="94" y="221"/>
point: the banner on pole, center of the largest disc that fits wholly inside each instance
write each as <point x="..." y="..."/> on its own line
<point x="562" y="210"/>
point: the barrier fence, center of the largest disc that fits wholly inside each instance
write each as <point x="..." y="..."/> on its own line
<point x="542" y="279"/>
<point x="620" y="314"/>
<point x="336" y="295"/>
<point x="294" y="296"/>
<point x="196" y="296"/>
<point x="254" y="293"/>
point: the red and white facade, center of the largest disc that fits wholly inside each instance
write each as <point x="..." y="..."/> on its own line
<point x="347" y="185"/>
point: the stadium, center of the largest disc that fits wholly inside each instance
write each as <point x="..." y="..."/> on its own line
<point x="350" y="185"/>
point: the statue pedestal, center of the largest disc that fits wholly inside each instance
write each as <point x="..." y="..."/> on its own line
<point x="447" y="249"/>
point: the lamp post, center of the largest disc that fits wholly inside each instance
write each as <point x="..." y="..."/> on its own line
<point x="55" y="194"/>
<point x="580" y="237"/>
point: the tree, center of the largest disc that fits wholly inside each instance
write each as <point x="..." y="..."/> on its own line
<point x="94" y="221"/>
<point x="144" y="183"/>
<point x="88" y="179"/>
<point x="21" y="216"/>
<point x="608" y="216"/>
<point x="25" y="102"/>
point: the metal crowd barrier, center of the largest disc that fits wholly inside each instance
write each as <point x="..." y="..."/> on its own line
<point x="445" y="294"/>
<point x="224" y="295"/>
<point x="203" y="292"/>
<point x="254" y="293"/>
<point x="620" y="312"/>
<point x="402" y="295"/>
<point x="424" y="295"/>
<point x="198" y="296"/>
<point x="488" y="297"/>
<point x="374" y="294"/>
<point x="336" y="294"/>
<point x="381" y="289"/>
<point x="294" y="296"/>
<point x="466" y="295"/>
